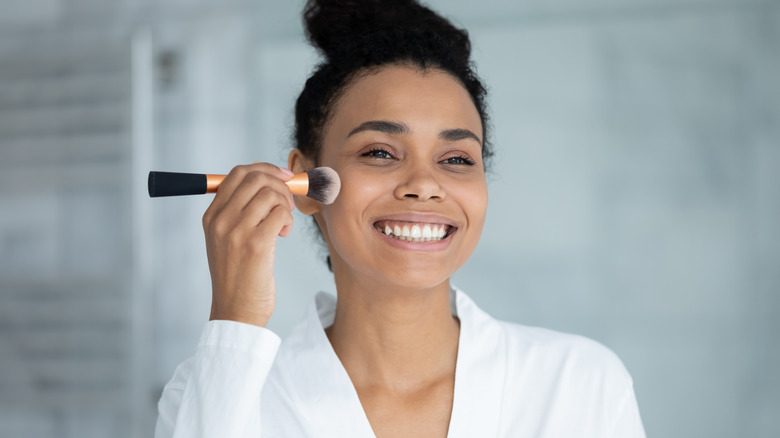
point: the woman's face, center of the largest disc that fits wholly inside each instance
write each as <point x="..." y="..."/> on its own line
<point x="407" y="145"/>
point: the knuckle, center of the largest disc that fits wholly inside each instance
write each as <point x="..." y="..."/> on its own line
<point x="270" y="196"/>
<point x="239" y="170"/>
<point x="255" y="177"/>
<point x="219" y="227"/>
<point x="282" y="199"/>
<point x="266" y="166"/>
<point x="280" y="213"/>
<point x="273" y="220"/>
<point x="265" y="192"/>
<point x="276" y="196"/>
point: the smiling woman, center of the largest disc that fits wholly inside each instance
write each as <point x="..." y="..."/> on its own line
<point x="397" y="111"/>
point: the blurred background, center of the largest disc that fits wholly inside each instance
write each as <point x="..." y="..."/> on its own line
<point x="635" y="195"/>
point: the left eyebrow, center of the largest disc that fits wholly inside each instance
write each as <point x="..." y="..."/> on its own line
<point x="459" y="134"/>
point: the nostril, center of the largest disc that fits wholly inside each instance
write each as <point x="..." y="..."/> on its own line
<point x="411" y="195"/>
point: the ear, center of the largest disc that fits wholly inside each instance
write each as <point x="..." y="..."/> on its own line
<point x="297" y="162"/>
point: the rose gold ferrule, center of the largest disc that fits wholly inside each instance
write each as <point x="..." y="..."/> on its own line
<point x="212" y="182"/>
<point x="299" y="184"/>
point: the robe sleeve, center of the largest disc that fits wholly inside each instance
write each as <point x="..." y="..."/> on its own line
<point x="216" y="393"/>
<point x="629" y="423"/>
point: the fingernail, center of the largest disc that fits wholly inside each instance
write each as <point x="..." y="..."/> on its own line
<point x="287" y="171"/>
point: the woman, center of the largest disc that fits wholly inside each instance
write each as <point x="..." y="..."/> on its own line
<point x="398" y="112"/>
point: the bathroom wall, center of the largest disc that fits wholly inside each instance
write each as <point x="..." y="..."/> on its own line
<point x="634" y="194"/>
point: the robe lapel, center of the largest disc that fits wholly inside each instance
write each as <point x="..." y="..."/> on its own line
<point x="479" y="373"/>
<point x="322" y="386"/>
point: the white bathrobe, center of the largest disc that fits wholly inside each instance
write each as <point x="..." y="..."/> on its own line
<point x="510" y="381"/>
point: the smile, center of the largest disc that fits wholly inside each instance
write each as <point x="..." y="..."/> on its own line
<point x="414" y="231"/>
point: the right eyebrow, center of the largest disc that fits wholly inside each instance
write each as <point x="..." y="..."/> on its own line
<point x="393" y="128"/>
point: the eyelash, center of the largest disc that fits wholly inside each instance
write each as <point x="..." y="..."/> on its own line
<point x="464" y="160"/>
<point x="375" y="153"/>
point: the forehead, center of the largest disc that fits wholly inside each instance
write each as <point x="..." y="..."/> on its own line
<point x="413" y="96"/>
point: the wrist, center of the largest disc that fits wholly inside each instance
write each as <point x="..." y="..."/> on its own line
<point x="258" y="319"/>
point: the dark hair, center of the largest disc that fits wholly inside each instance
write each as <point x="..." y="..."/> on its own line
<point x="356" y="37"/>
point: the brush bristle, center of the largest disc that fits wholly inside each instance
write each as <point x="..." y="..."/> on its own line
<point x="324" y="184"/>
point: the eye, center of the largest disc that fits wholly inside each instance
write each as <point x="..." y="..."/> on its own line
<point x="378" y="153"/>
<point x="459" y="160"/>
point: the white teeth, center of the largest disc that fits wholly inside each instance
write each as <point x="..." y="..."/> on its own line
<point x="416" y="232"/>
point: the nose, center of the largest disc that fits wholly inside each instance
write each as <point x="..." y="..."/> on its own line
<point x="419" y="183"/>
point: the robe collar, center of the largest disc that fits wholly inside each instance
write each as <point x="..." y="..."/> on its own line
<point x="328" y="399"/>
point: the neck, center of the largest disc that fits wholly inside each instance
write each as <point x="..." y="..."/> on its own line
<point x="392" y="336"/>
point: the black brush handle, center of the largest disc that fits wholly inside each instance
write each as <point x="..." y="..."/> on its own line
<point x="176" y="184"/>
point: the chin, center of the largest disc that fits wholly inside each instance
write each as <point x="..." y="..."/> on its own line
<point x="412" y="280"/>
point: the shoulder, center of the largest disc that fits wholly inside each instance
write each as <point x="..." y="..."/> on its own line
<point x="576" y="376"/>
<point x="544" y="350"/>
<point x="575" y="385"/>
<point x="558" y="351"/>
<point x="582" y="386"/>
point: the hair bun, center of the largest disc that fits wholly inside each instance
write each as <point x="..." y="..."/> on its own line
<point x="345" y="28"/>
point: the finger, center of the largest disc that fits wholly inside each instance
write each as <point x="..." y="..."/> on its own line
<point x="247" y="193"/>
<point x="224" y="193"/>
<point x="282" y="173"/>
<point x="278" y="219"/>
<point x="238" y="176"/>
<point x="260" y="206"/>
<point x="263" y="237"/>
<point x="271" y="169"/>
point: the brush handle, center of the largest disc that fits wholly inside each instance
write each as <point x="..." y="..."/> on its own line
<point x="178" y="184"/>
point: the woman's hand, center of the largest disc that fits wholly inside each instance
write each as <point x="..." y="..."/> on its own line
<point x="251" y="208"/>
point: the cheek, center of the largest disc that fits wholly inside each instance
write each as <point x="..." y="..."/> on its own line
<point x="361" y="186"/>
<point x="347" y="215"/>
<point x="475" y="202"/>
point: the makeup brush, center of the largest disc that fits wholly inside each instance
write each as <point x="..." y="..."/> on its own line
<point x="321" y="184"/>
